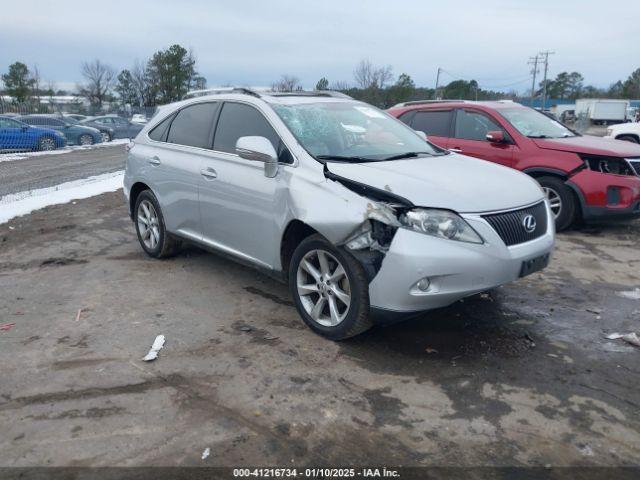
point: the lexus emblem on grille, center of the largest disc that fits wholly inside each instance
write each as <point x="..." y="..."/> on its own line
<point x="529" y="223"/>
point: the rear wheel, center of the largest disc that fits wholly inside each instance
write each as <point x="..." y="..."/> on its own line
<point x="561" y="200"/>
<point x="152" y="234"/>
<point x="628" y="138"/>
<point x="330" y="289"/>
<point x="46" y="143"/>
<point x="105" y="137"/>
<point x="85" y="139"/>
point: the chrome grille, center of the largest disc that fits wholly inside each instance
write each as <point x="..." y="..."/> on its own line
<point x="510" y="227"/>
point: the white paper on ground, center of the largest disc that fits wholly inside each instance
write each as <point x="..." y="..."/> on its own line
<point x="158" y="343"/>
<point x="206" y="453"/>
<point x="631" y="338"/>
<point x="23" y="203"/>
<point x="631" y="294"/>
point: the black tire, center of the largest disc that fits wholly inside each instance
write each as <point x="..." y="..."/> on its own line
<point x="628" y="138"/>
<point x="568" y="208"/>
<point x="357" y="319"/>
<point x="106" y="137"/>
<point x="86" y="136"/>
<point x="167" y="245"/>
<point x="45" y="143"/>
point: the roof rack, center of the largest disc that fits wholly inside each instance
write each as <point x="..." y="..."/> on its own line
<point x="424" y="102"/>
<point x="260" y="91"/>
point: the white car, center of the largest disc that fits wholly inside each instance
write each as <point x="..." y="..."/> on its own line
<point x="361" y="215"/>
<point x="139" y="118"/>
<point x="624" y="131"/>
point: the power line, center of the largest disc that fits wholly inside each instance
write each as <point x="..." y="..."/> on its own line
<point x="533" y="61"/>
<point x="545" y="54"/>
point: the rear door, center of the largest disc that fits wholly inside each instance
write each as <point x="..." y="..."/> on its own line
<point x="469" y="137"/>
<point x="173" y="158"/>
<point x="12" y="136"/>
<point x="437" y="125"/>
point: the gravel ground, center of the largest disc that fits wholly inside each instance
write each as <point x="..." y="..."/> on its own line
<point x="44" y="171"/>
<point x="520" y="376"/>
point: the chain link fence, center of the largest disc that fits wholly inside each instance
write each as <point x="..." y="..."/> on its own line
<point x="52" y="123"/>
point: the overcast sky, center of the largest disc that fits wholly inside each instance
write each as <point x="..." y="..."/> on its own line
<point x="253" y="42"/>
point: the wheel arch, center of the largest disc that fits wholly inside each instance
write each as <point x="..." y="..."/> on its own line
<point x="295" y="232"/>
<point x="537" y="172"/>
<point x="634" y="135"/>
<point x="136" y="189"/>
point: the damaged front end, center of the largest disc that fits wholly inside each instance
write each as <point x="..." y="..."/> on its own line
<point x="370" y="241"/>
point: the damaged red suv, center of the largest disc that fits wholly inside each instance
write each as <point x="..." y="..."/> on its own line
<point x="584" y="177"/>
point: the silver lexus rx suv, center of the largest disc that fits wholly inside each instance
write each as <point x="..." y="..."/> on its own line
<point x="362" y="216"/>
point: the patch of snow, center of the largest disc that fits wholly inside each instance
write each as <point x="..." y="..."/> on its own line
<point x="23" y="203"/>
<point x="9" y="157"/>
<point x="631" y="294"/>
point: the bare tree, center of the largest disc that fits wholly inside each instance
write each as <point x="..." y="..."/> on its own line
<point x="287" y="83"/>
<point x="368" y="75"/>
<point x="35" y="85"/>
<point x="140" y="82"/>
<point x="99" y="79"/>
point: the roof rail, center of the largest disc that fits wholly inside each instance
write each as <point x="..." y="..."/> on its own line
<point x="259" y="92"/>
<point x="218" y="90"/>
<point x="424" y="102"/>
<point x="313" y="93"/>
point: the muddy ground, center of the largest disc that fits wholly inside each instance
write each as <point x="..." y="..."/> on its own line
<point x="522" y="376"/>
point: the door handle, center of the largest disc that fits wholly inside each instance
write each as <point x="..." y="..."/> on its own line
<point x="209" y="173"/>
<point x="455" y="150"/>
<point x="155" y="160"/>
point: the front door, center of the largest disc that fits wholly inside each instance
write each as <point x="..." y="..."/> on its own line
<point x="469" y="138"/>
<point x="238" y="204"/>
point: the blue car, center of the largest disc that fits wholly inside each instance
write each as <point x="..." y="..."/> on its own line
<point x="18" y="136"/>
<point x="75" y="134"/>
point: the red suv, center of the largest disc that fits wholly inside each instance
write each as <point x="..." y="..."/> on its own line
<point x="584" y="177"/>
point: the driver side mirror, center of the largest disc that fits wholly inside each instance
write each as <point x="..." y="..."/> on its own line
<point x="496" y="137"/>
<point x="259" y="149"/>
<point x="421" y="134"/>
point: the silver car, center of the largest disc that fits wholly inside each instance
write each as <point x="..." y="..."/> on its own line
<point x="362" y="216"/>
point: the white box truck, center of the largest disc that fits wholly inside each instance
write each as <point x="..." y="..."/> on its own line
<point x="602" y="111"/>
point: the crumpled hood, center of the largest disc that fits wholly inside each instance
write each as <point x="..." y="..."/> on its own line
<point x="590" y="145"/>
<point x="453" y="182"/>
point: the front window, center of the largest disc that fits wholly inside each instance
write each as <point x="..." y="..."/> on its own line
<point x="534" y="124"/>
<point x="350" y="131"/>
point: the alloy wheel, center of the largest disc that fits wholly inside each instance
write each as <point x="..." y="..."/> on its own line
<point x="47" y="144"/>
<point x="323" y="287"/>
<point x="85" y="140"/>
<point x="555" y="201"/>
<point x="105" y="138"/>
<point x="148" y="224"/>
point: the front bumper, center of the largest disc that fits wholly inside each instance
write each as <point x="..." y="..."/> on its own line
<point x="606" y="196"/>
<point x="455" y="269"/>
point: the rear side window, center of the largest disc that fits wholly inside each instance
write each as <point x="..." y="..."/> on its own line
<point x="436" y="123"/>
<point x="240" y="120"/>
<point x="192" y="125"/>
<point x="474" y="126"/>
<point x="159" y="132"/>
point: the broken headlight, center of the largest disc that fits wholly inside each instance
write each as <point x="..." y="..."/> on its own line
<point x="441" y="224"/>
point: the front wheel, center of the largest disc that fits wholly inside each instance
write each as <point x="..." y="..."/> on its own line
<point x="46" y="144"/>
<point x="105" y="137"/>
<point x="85" y="140"/>
<point x="561" y="200"/>
<point x="330" y="289"/>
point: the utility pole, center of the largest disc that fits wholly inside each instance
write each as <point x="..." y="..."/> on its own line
<point x="435" y="94"/>
<point x="533" y="61"/>
<point x="544" y="82"/>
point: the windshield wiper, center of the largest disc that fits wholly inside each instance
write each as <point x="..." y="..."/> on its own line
<point x="341" y="158"/>
<point x="400" y="156"/>
<point x="538" y="136"/>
